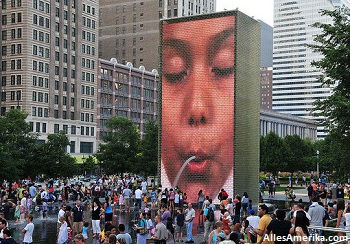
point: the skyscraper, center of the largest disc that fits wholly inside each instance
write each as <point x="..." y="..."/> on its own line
<point x="49" y="58"/>
<point x="129" y="29"/>
<point x="295" y="81"/>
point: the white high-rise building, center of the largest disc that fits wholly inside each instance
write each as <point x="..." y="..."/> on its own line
<point x="295" y="80"/>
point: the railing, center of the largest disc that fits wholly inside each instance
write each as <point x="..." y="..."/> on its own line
<point x="334" y="239"/>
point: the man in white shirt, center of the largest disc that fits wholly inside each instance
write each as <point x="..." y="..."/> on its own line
<point x="144" y="186"/>
<point x="28" y="230"/>
<point x="138" y="195"/>
<point x="253" y="219"/>
<point x="189" y="216"/>
<point x="60" y="214"/>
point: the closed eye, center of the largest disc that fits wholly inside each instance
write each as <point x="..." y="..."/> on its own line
<point x="177" y="77"/>
<point x="222" y="71"/>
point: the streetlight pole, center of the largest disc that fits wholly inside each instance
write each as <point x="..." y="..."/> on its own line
<point x="318" y="165"/>
<point x="83" y="160"/>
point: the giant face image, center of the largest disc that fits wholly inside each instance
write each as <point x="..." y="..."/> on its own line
<point x="198" y="106"/>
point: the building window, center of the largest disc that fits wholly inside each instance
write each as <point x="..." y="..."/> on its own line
<point x="72" y="145"/>
<point x="56" y="128"/>
<point x="86" y="147"/>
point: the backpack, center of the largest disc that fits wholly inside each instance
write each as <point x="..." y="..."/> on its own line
<point x="224" y="195"/>
<point x="210" y="215"/>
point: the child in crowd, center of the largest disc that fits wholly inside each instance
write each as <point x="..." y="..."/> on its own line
<point x="180" y="222"/>
<point x="153" y="198"/>
<point x="45" y="207"/>
<point x="121" y="202"/>
<point x="145" y="200"/>
<point x="136" y="213"/>
<point x="146" y="209"/>
<point x="250" y="205"/>
<point x="29" y="203"/>
<point x="18" y="211"/>
<point x="85" y="229"/>
<point x="63" y="232"/>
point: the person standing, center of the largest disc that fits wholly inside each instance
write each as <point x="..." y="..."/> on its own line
<point x="142" y="230"/>
<point x="340" y="216"/>
<point x="253" y="219"/>
<point x="208" y="214"/>
<point x="28" y="230"/>
<point x="317" y="214"/>
<point x="127" y="193"/>
<point x="7" y="237"/>
<point x="237" y="209"/>
<point x="200" y="199"/>
<point x="78" y="218"/>
<point x="60" y="214"/>
<point x="96" y="213"/>
<point x="189" y="216"/>
<point x="180" y="222"/>
<point x="279" y="226"/>
<point x="63" y="233"/>
<point x="245" y="201"/>
<point x="161" y="233"/>
<point x="264" y="221"/>
<point x="301" y="226"/>
<point x="124" y="235"/>
<point x="166" y="213"/>
<point x="138" y="195"/>
<point x="108" y="211"/>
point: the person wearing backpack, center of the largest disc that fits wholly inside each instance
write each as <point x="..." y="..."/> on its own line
<point x="208" y="214"/>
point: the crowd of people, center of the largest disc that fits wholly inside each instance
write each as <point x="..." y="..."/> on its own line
<point x="158" y="213"/>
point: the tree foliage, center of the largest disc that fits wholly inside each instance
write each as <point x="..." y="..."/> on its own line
<point x="334" y="44"/>
<point x="149" y="150"/>
<point x="274" y="153"/>
<point x="334" y="155"/>
<point x="16" y="144"/>
<point x="298" y="153"/>
<point x="120" y="146"/>
<point x="289" y="154"/>
<point x="55" y="161"/>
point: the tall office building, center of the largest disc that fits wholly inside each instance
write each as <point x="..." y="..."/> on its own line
<point x="266" y="44"/>
<point x="266" y="88"/>
<point x="129" y="29"/>
<point x="49" y="59"/>
<point x="295" y="81"/>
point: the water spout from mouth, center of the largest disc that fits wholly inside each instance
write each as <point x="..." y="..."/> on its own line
<point x="182" y="169"/>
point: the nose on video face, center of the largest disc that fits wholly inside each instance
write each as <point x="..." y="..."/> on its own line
<point x="198" y="100"/>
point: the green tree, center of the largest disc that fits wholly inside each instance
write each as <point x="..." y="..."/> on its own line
<point x="334" y="155"/>
<point x="149" y="150"/>
<point x="89" y="164"/>
<point x="263" y="153"/>
<point x="334" y="44"/>
<point x="274" y="156"/>
<point x="121" y="146"/>
<point x="16" y="145"/>
<point x="55" y="161"/>
<point x="298" y="153"/>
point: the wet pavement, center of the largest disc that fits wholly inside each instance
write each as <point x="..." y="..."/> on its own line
<point x="45" y="229"/>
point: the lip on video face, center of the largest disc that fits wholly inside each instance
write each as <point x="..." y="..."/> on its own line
<point x="198" y="103"/>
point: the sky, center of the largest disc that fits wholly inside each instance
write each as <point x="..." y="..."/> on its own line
<point x="260" y="9"/>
